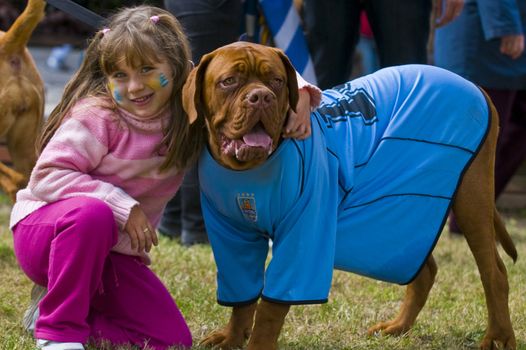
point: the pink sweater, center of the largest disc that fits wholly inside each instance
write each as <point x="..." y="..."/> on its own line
<point x="110" y="155"/>
<point x="106" y="154"/>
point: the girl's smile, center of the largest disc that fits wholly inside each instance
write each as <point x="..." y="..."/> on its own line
<point x="144" y="90"/>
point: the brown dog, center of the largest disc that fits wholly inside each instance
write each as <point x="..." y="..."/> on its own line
<point x="21" y="98"/>
<point x="243" y="92"/>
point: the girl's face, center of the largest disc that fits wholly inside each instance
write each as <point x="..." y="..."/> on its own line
<point x="143" y="91"/>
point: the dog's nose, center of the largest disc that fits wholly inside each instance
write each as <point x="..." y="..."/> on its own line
<point x="260" y="98"/>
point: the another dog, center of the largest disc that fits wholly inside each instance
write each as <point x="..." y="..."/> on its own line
<point x="368" y="192"/>
<point x="21" y="98"/>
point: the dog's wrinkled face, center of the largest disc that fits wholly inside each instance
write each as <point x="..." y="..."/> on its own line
<point x="244" y="91"/>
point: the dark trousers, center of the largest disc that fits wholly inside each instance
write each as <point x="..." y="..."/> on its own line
<point x="400" y="27"/>
<point x="208" y="25"/>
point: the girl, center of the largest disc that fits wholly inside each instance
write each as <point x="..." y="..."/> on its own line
<point x="111" y="157"/>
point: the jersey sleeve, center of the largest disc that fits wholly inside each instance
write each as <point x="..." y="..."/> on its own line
<point x="240" y="258"/>
<point x="301" y="268"/>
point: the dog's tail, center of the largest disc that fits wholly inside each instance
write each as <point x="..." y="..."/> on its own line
<point x="503" y="236"/>
<point x="16" y="38"/>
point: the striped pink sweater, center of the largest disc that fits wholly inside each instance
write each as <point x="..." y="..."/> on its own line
<point x="107" y="154"/>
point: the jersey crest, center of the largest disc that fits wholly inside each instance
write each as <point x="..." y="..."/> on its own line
<point x="247" y="205"/>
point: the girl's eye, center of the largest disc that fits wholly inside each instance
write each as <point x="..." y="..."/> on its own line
<point x="118" y="75"/>
<point x="146" y="69"/>
<point x="230" y="81"/>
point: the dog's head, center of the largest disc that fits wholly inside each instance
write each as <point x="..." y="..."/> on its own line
<point x="243" y="91"/>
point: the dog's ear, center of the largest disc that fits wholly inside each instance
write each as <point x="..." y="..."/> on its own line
<point x="292" y="82"/>
<point x="193" y="90"/>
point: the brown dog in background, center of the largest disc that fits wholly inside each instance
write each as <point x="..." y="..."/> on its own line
<point x="232" y="89"/>
<point x="21" y="98"/>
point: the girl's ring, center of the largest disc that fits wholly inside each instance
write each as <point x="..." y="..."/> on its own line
<point x="146" y="230"/>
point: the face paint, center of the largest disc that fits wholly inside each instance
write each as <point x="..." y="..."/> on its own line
<point x="117" y="96"/>
<point x="114" y="92"/>
<point x="163" y="80"/>
<point x="159" y="82"/>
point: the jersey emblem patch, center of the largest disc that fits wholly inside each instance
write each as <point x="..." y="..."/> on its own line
<point x="247" y="204"/>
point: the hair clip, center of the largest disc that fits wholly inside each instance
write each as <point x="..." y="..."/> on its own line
<point x="192" y="63"/>
<point x="154" y="19"/>
<point x="105" y="30"/>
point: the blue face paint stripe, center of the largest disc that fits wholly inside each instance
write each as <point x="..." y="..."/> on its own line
<point x="117" y="96"/>
<point x="163" y="80"/>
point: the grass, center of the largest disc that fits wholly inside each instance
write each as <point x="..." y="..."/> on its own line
<point x="453" y="318"/>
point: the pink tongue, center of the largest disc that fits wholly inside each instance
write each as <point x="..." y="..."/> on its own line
<point x="258" y="138"/>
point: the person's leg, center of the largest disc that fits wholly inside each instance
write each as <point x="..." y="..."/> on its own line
<point x="134" y="307"/>
<point x="511" y="149"/>
<point x="332" y="33"/>
<point x="192" y="223"/>
<point x="209" y="24"/>
<point x="64" y="246"/>
<point x="401" y="30"/>
<point x="170" y="224"/>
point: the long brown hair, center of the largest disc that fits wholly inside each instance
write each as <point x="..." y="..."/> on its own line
<point x="133" y="34"/>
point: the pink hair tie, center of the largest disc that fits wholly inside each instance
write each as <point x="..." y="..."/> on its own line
<point x="105" y="30"/>
<point x="154" y="19"/>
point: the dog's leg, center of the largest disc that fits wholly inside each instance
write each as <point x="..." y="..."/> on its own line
<point x="236" y="332"/>
<point x="414" y="300"/>
<point x="478" y="219"/>
<point x="10" y="180"/>
<point x="269" y="321"/>
<point x="21" y="139"/>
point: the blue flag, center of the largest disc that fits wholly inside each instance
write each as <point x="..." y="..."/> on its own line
<point x="284" y="23"/>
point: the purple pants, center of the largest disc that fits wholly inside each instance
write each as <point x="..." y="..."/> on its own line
<point x="93" y="292"/>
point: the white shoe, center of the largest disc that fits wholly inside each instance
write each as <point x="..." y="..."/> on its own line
<point x="32" y="312"/>
<point x="55" y="345"/>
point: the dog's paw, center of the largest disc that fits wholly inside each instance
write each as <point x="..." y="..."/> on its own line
<point x="222" y="339"/>
<point x="389" y="328"/>
<point x="492" y="344"/>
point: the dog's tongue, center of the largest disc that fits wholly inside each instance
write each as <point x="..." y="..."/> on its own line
<point x="258" y="138"/>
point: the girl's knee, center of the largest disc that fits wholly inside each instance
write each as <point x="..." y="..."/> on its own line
<point x="91" y="216"/>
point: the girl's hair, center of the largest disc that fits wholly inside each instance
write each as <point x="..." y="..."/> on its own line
<point x="142" y="35"/>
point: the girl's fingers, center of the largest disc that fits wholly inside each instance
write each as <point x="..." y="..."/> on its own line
<point x="133" y="238"/>
<point x="147" y="239"/>
<point x="155" y="239"/>
<point x="141" y="240"/>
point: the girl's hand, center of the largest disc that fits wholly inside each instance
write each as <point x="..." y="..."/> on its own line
<point x="298" y="124"/>
<point x="141" y="232"/>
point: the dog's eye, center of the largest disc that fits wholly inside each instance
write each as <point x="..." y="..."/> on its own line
<point x="276" y="83"/>
<point x="228" y="82"/>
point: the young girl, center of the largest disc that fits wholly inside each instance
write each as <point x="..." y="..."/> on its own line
<point x="111" y="157"/>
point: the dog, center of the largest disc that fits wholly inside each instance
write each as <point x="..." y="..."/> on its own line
<point x="21" y="98"/>
<point x="368" y="192"/>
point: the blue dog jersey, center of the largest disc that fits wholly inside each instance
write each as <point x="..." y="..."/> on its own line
<point x="368" y="192"/>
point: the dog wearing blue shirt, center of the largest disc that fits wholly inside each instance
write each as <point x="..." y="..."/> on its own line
<point x="390" y="154"/>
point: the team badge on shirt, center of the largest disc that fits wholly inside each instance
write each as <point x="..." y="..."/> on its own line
<point x="247" y="204"/>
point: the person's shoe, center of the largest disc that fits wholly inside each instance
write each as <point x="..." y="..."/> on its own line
<point x="30" y="316"/>
<point x="55" y="345"/>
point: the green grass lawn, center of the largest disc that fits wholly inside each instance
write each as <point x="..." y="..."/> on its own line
<point x="453" y="318"/>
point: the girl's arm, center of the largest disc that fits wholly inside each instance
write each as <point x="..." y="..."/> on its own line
<point x="298" y="124"/>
